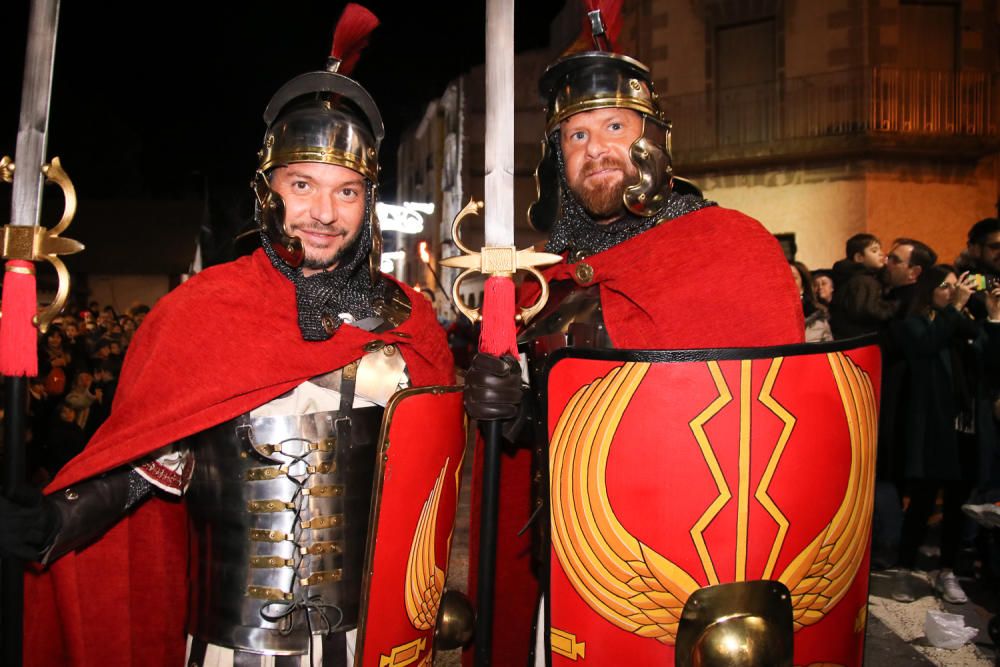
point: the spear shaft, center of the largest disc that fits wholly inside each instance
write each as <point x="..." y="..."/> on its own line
<point x="499" y="211"/>
<point x="25" y="207"/>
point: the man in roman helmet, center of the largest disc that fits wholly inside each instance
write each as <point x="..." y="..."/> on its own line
<point x="228" y="497"/>
<point x="649" y="265"/>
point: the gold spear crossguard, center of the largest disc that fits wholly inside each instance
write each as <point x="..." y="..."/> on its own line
<point x="495" y="261"/>
<point x="36" y="243"/>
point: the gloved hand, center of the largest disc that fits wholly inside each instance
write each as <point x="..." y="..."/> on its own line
<point x="493" y="387"/>
<point x="28" y="522"/>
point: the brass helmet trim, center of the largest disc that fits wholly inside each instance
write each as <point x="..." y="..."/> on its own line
<point x="595" y="80"/>
<point x="323" y="117"/>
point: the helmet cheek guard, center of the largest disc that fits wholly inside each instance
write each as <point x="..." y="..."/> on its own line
<point x="651" y="158"/>
<point x="543" y="213"/>
<point x="375" y="256"/>
<point x="271" y="216"/>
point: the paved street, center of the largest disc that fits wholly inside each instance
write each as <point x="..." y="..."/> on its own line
<point x="895" y="630"/>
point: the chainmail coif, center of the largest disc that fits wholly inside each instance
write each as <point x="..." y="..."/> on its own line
<point x="346" y="289"/>
<point x="576" y="231"/>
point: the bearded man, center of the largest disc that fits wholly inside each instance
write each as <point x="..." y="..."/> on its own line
<point x="649" y="264"/>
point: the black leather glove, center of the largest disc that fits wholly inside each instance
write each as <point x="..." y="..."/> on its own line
<point x="493" y="387"/>
<point x="28" y="523"/>
<point x="88" y="509"/>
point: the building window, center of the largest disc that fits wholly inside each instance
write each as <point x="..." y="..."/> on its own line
<point x="928" y="36"/>
<point x="746" y="71"/>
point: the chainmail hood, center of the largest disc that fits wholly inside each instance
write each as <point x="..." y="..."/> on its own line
<point x="576" y="232"/>
<point x="331" y="295"/>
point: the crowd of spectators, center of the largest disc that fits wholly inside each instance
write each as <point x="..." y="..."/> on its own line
<point x="938" y="326"/>
<point x="79" y="361"/>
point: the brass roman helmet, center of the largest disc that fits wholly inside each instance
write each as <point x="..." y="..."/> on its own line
<point x="598" y="79"/>
<point x="323" y="116"/>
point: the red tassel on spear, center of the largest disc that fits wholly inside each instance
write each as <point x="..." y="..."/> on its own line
<point x="18" y="336"/>
<point x="498" y="335"/>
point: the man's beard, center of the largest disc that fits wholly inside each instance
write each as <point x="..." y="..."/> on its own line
<point x="322" y="264"/>
<point x="601" y="200"/>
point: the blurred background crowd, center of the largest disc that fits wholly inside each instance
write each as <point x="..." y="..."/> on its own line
<point x="79" y="362"/>
<point x="938" y="325"/>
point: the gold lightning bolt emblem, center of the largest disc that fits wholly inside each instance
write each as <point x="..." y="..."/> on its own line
<point x="639" y="590"/>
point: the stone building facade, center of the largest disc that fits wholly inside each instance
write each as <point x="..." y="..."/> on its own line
<point x="824" y="119"/>
<point x="820" y="119"/>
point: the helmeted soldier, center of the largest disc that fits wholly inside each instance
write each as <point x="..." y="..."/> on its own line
<point x="649" y="265"/>
<point x="253" y="397"/>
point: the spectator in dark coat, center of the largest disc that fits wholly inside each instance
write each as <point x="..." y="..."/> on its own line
<point x="858" y="306"/>
<point x="981" y="256"/>
<point x="942" y="346"/>
<point x="907" y="260"/>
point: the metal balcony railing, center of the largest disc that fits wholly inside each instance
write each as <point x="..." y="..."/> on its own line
<point x="876" y="102"/>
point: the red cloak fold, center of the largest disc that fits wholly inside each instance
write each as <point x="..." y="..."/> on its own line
<point x="219" y="345"/>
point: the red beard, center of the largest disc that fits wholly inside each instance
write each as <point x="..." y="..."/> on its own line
<point x="603" y="197"/>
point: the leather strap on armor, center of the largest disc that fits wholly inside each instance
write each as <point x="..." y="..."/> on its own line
<point x="279" y="507"/>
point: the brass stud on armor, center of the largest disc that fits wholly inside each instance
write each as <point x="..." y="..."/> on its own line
<point x="329" y="324"/>
<point x="583" y="273"/>
<point x="71" y="495"/>
<point x="389" y="350"/>
<point x="634" y="84"/>
<point x="321" y="522"/>
<point x="374" y="345"/>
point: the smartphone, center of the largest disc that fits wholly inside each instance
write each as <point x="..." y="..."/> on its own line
<point x="985" y="283"/>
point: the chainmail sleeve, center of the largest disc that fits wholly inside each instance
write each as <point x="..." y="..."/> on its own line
<point x="138" y="489"/>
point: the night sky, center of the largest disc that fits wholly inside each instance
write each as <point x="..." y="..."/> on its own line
<point x="164" y="100"/>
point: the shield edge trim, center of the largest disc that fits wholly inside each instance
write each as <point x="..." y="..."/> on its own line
<point x="706" y="354"/>
<point x="373" y="516"/>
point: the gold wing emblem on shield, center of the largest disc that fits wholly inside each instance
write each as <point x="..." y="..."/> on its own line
<point x="820" y="576"/>
<point x="639" y="590"/>
<point x="424" y="579"/>
<point x="622" y="579"/>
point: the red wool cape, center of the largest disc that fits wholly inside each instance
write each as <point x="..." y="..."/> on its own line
<point x="714" y="278"/>
<point x="221" y="344"/>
